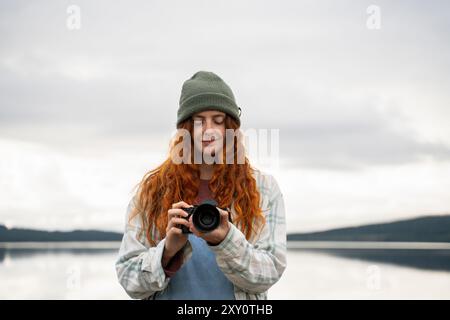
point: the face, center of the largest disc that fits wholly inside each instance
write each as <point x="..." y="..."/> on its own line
<point x="209" y="128"/>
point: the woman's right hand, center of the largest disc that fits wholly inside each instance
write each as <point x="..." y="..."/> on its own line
<point x="175" y="239"/>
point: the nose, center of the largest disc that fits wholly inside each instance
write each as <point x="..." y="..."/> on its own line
<point x="208" y="127"/>
<point x="208" y="124"/>
<point x="209" y="130"/>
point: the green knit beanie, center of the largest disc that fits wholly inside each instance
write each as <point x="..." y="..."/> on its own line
<point x="206" y="91"/>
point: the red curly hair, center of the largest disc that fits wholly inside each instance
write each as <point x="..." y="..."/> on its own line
<point x="231" y="184"/>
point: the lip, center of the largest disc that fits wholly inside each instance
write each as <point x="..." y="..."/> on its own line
<point x="207" y="142"/>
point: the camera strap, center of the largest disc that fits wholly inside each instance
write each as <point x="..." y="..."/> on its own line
<point x="229" y="213"/>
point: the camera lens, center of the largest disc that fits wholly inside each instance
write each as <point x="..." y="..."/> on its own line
<point x="206" y="218"/>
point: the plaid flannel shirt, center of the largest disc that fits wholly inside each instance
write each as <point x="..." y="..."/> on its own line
<point x="253" y="265"/>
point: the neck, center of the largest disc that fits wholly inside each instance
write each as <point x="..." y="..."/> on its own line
<point x="206" y="171"/>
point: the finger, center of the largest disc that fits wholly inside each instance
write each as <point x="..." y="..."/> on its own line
<point x="191" y="225"/>
<point x="175" y="230"/>
<point x="193" y="229"/>
<point x="223" y="216"/>
<point x="169" y="226"/>
<point x="176" y="213"/>
<point x="175" y="222"/>
<point x="180" y="204"/>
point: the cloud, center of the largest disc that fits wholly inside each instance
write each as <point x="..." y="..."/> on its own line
<point x="355" y="137"/>
<point x="50" y="188"/>
<point x="344" y="98"/>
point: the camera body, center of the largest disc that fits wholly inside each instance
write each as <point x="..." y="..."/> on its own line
<point x="205" y="217"/>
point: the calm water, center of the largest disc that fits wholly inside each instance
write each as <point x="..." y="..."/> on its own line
<point x="319" y="271"/>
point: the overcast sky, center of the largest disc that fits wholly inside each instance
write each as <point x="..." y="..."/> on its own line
<point x="363" y="114"/>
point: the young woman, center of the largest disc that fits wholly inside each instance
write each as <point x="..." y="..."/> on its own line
<point x="246" y="253"/>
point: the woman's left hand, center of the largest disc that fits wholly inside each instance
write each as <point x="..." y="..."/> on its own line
<point x="217" y="235"/>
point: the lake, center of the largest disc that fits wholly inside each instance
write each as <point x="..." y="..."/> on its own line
<point x="316" y="270"/>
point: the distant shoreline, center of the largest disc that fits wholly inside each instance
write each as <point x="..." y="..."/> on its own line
<point x="384" y="245"/>
<point x="291" y="245"/>
<point x="60" y="245"/>
<point x="30" y="235"/>
<point x="434" y="229"/>
<point x="422" y="229"/>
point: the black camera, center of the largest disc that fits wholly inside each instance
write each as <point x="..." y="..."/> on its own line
<point x="205" y="217"/>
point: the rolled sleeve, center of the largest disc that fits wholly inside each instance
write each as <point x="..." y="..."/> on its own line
<point x="138" y="266"/>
